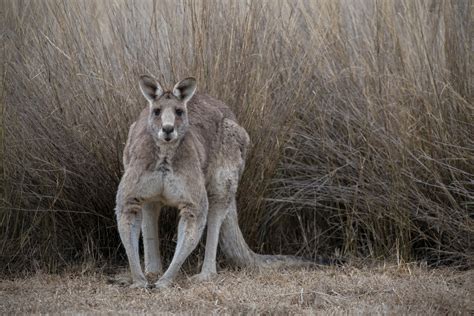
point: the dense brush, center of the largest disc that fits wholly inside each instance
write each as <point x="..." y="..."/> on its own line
<point x="360" y="114"/>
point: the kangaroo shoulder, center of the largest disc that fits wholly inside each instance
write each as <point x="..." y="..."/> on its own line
<point x="126" y="151"/>
<point x="140" y="148"/>
<point x="234" y="132"/>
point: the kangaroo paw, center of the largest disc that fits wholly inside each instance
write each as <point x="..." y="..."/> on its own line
<point x="203" y="277"/>
<point x="162" y="284"/>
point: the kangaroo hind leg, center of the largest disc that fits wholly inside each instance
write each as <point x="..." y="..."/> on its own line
<point x="222" y="191"/>
<point x="151" y="242"/>
<point x="129" y="219"/>
<point x="217" y="213"/>
<point x="190" y="228"/>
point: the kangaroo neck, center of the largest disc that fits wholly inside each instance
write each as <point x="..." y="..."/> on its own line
<point x="167" y="150"/>
<point x="166" y="153"/>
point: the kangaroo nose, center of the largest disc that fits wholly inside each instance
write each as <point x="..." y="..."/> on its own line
<point x="168" y="129"/>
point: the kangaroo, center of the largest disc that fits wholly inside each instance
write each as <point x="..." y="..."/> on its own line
<point x="187" y="151"/>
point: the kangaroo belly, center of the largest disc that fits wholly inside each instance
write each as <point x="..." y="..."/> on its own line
<point x="164" y="187"/>
<point x="175" y="191"/>
<point x="150" y="186"/>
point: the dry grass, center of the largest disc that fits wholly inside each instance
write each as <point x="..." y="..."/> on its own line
<point x="404" y="289"/>
<point x="360" y="113"/>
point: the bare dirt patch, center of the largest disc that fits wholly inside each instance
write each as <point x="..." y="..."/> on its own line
<point x="393" y="289"/>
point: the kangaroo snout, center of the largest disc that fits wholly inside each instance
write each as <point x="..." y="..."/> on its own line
<point x="168" y="129"/>
<point x="168" y="133"/>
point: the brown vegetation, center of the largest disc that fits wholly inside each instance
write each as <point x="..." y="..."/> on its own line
<point x="360" y="113"/>
<point x="394" y="290"/>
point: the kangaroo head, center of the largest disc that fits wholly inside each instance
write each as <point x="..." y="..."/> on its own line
<point x="168" y="117"/>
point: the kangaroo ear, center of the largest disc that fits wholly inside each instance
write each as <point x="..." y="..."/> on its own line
<point x="185" y="89"/>
<point x="150" y="88"/>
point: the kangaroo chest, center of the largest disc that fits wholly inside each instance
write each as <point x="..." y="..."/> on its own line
<point x="171" y="187"/>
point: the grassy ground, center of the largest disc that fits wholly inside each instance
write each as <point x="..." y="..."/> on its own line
<point x="381" y="289"/>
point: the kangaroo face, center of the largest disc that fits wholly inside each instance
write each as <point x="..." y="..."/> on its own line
<point x="168" y="117"/>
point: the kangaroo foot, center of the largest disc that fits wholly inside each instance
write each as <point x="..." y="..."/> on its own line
<point x="163" y="284"/>
<point x="203" y="277"/>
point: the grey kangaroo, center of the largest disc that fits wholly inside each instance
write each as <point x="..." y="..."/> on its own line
<point x="187" y="151"/>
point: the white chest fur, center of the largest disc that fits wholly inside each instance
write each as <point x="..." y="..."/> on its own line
<point x="169" y="186"/>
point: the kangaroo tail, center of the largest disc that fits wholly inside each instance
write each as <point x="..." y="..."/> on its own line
<point x="238" y="252"/>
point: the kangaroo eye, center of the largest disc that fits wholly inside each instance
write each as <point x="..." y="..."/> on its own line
<point x="179" y="112"/>
<point x="157" y="112"/>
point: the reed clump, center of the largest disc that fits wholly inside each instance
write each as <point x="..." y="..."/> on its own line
<point x="360" y="114"/>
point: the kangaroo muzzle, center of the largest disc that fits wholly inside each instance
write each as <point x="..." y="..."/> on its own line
<point x="168" y="131"/>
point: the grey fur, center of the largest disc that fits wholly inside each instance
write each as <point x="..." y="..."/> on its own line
<point x="196" y="169"/>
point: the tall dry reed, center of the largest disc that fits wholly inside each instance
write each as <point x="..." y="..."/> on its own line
<point x="360" y="113"/>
